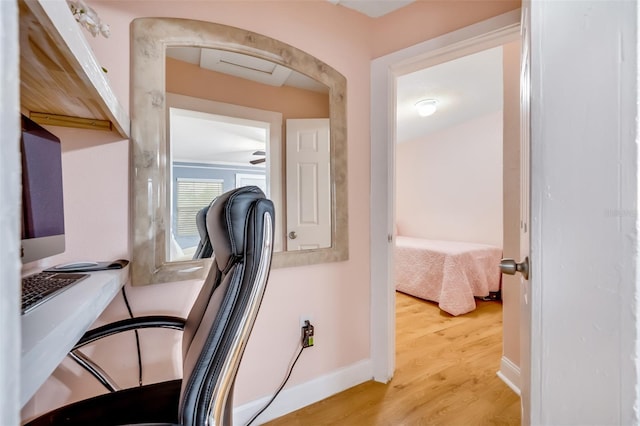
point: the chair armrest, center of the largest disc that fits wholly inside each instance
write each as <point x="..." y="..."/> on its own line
<point x="154" y="321"/>
<point x="129" y="324"/>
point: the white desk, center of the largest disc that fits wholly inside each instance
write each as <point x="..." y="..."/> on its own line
<point x="50" y="330"/>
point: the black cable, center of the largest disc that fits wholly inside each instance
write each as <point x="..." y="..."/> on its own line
<point x="126" y="302"/>
<point x="279" y="389"/>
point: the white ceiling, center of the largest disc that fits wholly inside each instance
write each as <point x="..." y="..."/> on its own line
<point x="373" y="8"/>
<point x="465" y="88"/>
<point x="245" y="66"/>
<point x="200" y="137"/>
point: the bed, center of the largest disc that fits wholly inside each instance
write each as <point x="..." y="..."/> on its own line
<point x="451" y="273"/>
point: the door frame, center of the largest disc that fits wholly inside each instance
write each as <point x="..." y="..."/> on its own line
<point x="384" y="73"/>
<point x="10" y="265"/>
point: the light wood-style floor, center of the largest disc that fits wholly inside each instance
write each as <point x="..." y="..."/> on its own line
<point x="445" y="375"/>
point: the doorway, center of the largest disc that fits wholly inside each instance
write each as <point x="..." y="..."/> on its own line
<point x="449" y="164"/>
<point x="385" y="71"/>
<point x="450" y="198"/>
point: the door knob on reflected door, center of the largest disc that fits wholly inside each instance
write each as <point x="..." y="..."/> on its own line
<point x="510" y="267"/>
<point x="293" y="235"/>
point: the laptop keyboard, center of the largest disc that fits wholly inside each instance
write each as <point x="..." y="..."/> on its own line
<point x="38" y="288"/>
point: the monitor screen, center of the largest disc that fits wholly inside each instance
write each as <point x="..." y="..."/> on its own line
<point x="42" y="202"/>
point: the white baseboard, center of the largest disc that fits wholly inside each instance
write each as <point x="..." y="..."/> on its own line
<point x="299" y="396"/>
<point x="510" y="374"/>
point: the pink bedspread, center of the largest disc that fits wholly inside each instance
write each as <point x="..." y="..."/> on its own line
<point x="448" y="272"/>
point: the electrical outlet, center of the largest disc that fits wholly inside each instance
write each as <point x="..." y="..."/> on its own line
<point x="307" y="334"/>
<point x="305" y="317"/>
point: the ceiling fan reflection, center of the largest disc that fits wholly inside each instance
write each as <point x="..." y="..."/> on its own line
<point x="258" y="160"/>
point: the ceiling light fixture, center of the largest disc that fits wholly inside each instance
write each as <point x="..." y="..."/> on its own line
<point x="426" y="107"/>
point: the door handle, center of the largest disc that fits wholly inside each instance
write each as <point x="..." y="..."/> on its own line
<point x="510" y="267"/>
<point x="293" y="235"/>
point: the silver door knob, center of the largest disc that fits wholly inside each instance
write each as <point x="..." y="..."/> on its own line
<point x="293" y="235"/>
<point x="510" y="267"/>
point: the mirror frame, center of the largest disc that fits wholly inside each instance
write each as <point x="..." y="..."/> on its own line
<point x="150" y="169"/>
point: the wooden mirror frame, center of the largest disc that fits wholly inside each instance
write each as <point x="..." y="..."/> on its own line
<point x="150" y="168"/>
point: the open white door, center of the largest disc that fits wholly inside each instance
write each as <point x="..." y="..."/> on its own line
<point x="509" y="265"/>
<point x="308" y="184"/>
<point x="525" y="213"/>
<point x="584" y="260"/>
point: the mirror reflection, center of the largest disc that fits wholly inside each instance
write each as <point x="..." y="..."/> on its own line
<point x="175" y="89"/>
<point x="256" y="123"/>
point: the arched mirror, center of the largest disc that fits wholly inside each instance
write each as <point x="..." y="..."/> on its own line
<point x="216" y="107"/>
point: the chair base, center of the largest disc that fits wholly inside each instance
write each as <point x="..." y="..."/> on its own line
<point x="154" y="403"/>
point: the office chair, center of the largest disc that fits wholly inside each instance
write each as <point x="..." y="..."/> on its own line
<point x="240" y="225"/>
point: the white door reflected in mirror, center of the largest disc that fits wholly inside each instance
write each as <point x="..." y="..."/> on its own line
<point x="308" y="184"/>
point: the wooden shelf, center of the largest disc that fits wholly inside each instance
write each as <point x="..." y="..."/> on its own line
<point x="59" y="73"/>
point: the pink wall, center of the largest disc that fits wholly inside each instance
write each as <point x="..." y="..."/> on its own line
<point x="94" y="196"/>
<point x="426" y="19"/>
<point x="336" y="295"/>
<point x="333" y="294"/>
<point x="449" y="183"/>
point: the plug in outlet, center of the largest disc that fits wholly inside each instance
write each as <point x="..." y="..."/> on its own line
<point x="304" y="318"/>
<point x="307" y="334"/>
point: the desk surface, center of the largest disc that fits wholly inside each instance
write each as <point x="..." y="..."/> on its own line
<point x="50" y="330"/>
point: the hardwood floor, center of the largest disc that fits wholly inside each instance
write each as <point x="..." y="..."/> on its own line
<point x="445" y="375"/>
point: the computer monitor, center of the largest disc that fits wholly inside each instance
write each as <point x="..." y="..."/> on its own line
<point x="42" y="202"/>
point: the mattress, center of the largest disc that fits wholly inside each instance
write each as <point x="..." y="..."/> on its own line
<point x="451" y="273"/>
